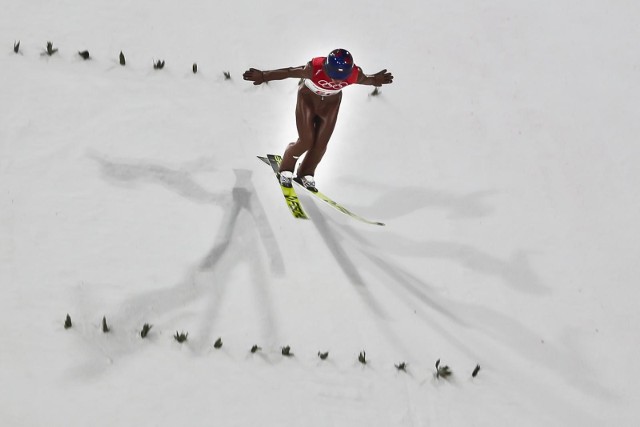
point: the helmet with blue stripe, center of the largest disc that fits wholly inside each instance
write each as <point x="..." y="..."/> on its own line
<point x="338" y="64"/>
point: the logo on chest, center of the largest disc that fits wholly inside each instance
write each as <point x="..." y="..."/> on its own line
<point x="332" y="85"/>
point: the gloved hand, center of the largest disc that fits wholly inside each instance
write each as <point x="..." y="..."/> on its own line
<point x="382" y="78"/>
<point x="254" y="75"/>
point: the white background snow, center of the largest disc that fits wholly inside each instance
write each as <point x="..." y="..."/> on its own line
<point x="503" y="160"/>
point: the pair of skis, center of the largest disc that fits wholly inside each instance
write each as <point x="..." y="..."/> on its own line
<point x="293" y="202"/>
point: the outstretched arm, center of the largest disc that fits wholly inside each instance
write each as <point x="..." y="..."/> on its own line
<point x="378" y="79"/>
<point x="259" y="76"/>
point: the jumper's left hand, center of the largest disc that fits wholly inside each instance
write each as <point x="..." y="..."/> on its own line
<point x="382" y="78"/>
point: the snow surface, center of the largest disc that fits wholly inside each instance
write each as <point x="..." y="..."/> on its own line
<point x="503" y="160"/>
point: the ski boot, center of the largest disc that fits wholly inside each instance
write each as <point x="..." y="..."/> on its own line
<point x="307" y="182"/>
<point x="286" y="179"/>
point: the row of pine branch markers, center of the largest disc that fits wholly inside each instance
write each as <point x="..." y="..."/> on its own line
<point x="441" y="372"/>
<point x="159" y="64"/>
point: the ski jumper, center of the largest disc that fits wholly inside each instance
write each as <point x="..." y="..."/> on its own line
<point x="317" y="109"/>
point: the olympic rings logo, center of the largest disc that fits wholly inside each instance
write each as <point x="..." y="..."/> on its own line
<point x="332" y="85"/>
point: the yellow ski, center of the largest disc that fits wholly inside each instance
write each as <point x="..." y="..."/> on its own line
<point x="275" y="160"/>
<point x="290" y="196"/>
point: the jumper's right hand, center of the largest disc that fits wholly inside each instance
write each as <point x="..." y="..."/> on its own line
<point x="253" y="75"/>
<point x="382" y="78"/>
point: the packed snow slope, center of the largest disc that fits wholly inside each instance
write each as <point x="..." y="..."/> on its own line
<point x="503" y="160"/>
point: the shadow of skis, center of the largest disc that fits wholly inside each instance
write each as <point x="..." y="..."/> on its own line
<point x="355" y="253"/>
<point x="244" y="224"/>
<point x="233" y="226"/>
<point x="344" y="259"/>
